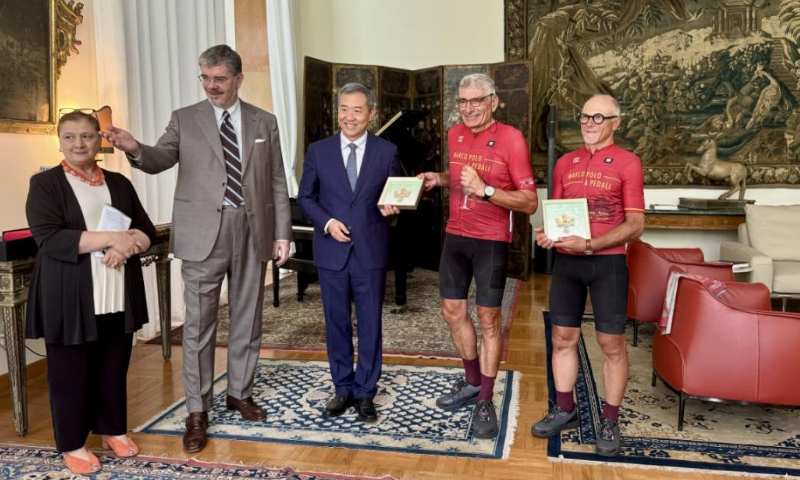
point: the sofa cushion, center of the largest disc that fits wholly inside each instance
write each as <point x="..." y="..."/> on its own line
<point x="769" y="227"/>
<point x="786" y="277"/>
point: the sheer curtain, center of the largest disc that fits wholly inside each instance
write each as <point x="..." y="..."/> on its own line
<point x="283" y="75"/>
<point x="147" y="54"/>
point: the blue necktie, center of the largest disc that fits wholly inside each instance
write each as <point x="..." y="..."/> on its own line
<point x="352" y="167"/>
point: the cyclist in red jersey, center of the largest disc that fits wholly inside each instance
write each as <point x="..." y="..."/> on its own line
<point x="611" y="180"/>
<point x="490" y="175"/>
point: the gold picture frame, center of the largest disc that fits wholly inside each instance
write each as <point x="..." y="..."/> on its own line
<point x="401" y="192"/>
<point x="565" y="217"/>
<point x="36" y="37"/>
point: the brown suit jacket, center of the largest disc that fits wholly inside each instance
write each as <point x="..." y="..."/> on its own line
<point x="192" y="138"/>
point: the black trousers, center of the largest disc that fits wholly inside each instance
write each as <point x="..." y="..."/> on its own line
<point x="88" y="391"/>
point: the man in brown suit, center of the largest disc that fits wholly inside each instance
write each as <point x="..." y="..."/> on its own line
<point x="230" y="216"/>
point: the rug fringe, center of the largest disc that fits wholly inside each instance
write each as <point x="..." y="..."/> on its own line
<point x="212" y="464"/>
<point x="562" y="459"/>
<point x="513" y="414"/>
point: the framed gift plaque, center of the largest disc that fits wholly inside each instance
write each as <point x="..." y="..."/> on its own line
<point x="401" y="192"/>
<point x="565" y="217"/>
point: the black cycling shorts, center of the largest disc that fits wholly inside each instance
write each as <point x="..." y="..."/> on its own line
<point x="605" y="277"/>
<point x="463" y="257"/>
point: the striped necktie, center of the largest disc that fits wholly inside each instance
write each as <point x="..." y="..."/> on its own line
<point x="233" y="163"/>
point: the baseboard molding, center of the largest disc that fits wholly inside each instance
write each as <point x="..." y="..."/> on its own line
<point x="32" y="370"/>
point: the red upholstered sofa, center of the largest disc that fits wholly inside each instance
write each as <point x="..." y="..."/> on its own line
<point x="729" y="348"/>
<point x="649" y="268"/>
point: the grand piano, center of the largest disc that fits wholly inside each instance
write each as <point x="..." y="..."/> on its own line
<point x="414" y="236"/>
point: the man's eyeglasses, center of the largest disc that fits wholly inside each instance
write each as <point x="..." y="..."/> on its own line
<point x="475" y="102"/>
<point x="87" y="111"/>
<point x="213" y="80"/>
<point x="597" y="118"/>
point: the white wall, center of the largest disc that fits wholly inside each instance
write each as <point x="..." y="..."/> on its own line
<point x="23" y="153"/>
<point x="407" y="34"/>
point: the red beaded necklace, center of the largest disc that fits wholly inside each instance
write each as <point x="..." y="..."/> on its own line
<point x="98" y="179"/>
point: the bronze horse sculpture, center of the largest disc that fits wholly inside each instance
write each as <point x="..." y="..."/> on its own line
<point x="712" y="167"/>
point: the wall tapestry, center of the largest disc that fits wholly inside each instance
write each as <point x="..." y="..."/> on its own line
<point x="713" y="79"/>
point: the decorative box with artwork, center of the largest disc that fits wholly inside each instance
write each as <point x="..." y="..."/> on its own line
<point x="566" y="217"/>
<point x="401" y="192"/>
<point x="36" y="37"/>
<point x="709" y="89"/>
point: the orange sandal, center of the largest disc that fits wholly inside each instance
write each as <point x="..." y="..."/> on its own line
<point x="81" y="466"/>
<point x="120" y="448"/>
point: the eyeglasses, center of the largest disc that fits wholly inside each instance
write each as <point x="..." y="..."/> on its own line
<point x="87" y="111"/>
<point x="597" y="118"/>
<point x="475" y="102"/>
<point x="205" y="80"/>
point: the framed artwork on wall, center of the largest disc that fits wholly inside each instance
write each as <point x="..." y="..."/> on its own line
<point x="36" y="36"/>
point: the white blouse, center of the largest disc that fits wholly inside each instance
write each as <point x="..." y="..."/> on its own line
<point x="108" y="283"/>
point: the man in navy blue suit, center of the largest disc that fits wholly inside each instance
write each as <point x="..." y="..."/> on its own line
<point x="343" y="177"/>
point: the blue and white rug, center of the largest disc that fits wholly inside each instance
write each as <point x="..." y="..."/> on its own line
<point x="28" y="462"/>
<point x="721" y="437"/>
<point x="295" y="392"/>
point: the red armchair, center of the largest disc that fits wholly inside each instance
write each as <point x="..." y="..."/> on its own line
<point x="648" y="269"/>
<point x="730" y="348"/>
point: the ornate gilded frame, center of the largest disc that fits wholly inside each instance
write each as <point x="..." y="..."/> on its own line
<point x="62" y="20"/>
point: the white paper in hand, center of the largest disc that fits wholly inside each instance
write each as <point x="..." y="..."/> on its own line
<point x="112" y="220"/>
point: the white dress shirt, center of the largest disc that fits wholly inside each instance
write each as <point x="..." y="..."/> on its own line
<point x="361" y="147"/>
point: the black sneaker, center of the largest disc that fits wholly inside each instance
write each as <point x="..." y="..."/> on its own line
<point x="608" y="442"/>
<point x="484" y="420"/>
<point x="462" y="393"/>
<point x="555" y="420"/>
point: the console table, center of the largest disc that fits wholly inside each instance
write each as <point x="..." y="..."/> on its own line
<point x="693" y="219"/>
<point x="15" y="277"/>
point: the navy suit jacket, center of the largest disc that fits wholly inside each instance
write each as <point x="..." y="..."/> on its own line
<point x="325" y="194"/>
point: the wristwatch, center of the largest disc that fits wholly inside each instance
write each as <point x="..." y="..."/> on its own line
<point x="588" y="250"/>
<point x="488" y="191"/>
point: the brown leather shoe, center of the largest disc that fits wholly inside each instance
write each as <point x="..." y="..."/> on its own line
<point x="195" y="437"/>
<point x="247" y="407"/>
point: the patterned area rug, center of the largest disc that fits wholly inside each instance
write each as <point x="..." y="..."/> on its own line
<point x="735" y="438"/>
<point x="37" y="463"/>
<point x="416" y="329"/>
<point x="295" y="393"/>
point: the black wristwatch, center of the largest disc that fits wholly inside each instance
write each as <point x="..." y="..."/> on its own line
<point x="488" y="191"/>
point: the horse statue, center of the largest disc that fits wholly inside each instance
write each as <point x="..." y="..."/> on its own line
<point x="712" y="167"/>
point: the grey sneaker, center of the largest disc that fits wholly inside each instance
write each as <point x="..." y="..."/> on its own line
<point x="462" y="393"/>
<point x="608" y="442"/>
<point x="484" y="420"/>
<point x="555" y="420"/>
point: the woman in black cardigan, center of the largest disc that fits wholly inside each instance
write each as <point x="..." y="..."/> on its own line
<point x="86" y="296"/>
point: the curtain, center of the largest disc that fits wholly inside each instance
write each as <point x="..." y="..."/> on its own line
<point x="147" y="54"/>
<point x="283" y="75"/>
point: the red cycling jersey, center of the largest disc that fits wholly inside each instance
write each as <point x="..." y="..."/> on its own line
<point x="611" y="180"/>
<point x="501" y="157"/>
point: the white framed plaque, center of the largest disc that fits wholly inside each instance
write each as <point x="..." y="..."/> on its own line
<point x="565" y="217"/>
<point x="401" y="192"/>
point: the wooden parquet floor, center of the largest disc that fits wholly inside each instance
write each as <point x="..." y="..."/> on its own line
<point x="154" y="384"/>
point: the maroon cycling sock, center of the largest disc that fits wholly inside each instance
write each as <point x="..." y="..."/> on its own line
<point x="487" y="388"/>
<point x="473" y="369"/>
<point x="611" y="412"/>
<point x="565" y="401"/>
